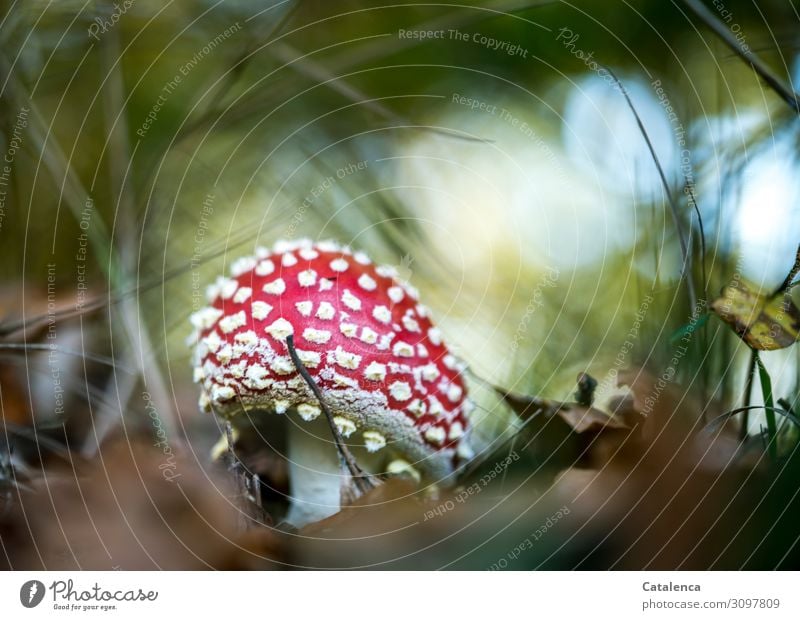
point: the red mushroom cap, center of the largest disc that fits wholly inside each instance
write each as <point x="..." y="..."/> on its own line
<point x="381" y="364"/>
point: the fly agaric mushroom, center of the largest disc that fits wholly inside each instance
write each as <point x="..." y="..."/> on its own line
<point x="383" y="369"/>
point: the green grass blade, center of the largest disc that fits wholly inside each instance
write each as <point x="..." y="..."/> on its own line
<point x="769" y="408"/>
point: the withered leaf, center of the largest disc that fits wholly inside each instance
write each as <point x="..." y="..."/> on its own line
<point x="764" y="322"/>
<point x="580" y="418"/>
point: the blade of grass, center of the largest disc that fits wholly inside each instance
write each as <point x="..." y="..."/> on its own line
<point x="769" y="408"/>
<point x="748" y="393"/>
<point x="369" y="49"/>
<point x="685" y="247"/>
<point x="745" y="53"/>
<point x="304" y="65"/>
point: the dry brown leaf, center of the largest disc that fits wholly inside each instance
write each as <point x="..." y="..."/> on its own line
<point x="133" y="508"/>
<point x="580" y="418"/>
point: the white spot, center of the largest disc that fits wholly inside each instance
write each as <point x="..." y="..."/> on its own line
<point x="367" y="283"/>
<point x="348" y="329"/>
<point x="212" y="292"/>
<point x="327" y="246"/>
<point x="265" y="267"/>
<point x="400" y="390"/>
<point x="396" y="294"/>
<point x="212" y="342"/>
<point x="421" y="350"/>
<point x="411" y="291"/>
<point x="296" y="383"/>
<point x="257" y="377"/>
<point x="362" y="259"/>
<point x="346" y="427"/>
<point x="430" y="372"/>
<point x="339" y="265"/>
<point x="198" y="375"/>
<point x="237" y="370"/>
<point x="454" y="393"/>
<point x="308" y="412"/>
<point x="456" y="431"/>
<point x="276" y="287"/>
<point x="227" y="287"/>
<point x="242" y="295"/>
<point x="288" y="260"/>
<point x="325" y="284"/>
<point x="222" y="392"/>
<point x="242" y="265"/>
<point x="285" y="245"/>
<point x="280" y="329"/>
<point x="345" y="359"/>
<point x="225" y="354"/>
<point x="247" y="338"/>
<point x="369" y="336"/>
<point x="231" y="322"/>
<point x="281" y="406"/>
<point x="205" y="318"/>
<point x="399" y="467"/>
<point x="304" y="307"/>
<point x="386" y="271"/>
<point x="435" y="407"/>
<point x="422" y="310"/>
<point x="467" y="406"/>
<point x="262" y="252"/>
<point x="342" y="381"/>
<point x="351" y="301"/>
<point x="374" y="441"/>
<point x="307" y="278"/>
<point x="386" y="341"/>
<point x="403" y="349"/>
<point x="436" y="435"/>
<point x="311" y="359"/>
<point x="382" y="314"/>
<point x="450" y="361"/>
<point x="240" y="349"/>
<point x="435" y="335"/>
<point x="308" y="254"/>
<point x="325" y="311"/>
<point x="282" y="365"/>
<point x="260" y="310"/>
<point x="204" y="402"/>
<point x="465" y="451"/>
<point x="410" y="324"/>
<point x="317" y="336"/>
<point x="375" y="372"/>
<point x="417" y="407"/>
<point x="399" y="368"/>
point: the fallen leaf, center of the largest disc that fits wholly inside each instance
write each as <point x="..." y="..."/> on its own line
<point x="764" y="322"/>
<point x="580" y="418"/>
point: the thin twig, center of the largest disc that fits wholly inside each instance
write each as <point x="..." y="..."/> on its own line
<point x="364" y="481"/>
<point x="745" y="53"/>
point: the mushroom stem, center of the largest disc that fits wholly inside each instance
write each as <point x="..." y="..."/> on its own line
<point x="361" y="479"/>
<point x="315" y="473"/>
